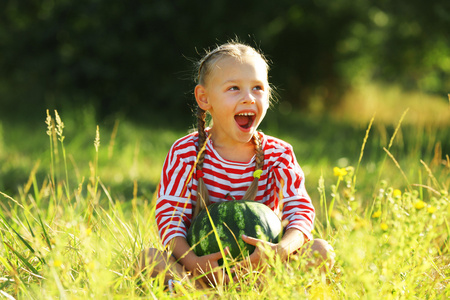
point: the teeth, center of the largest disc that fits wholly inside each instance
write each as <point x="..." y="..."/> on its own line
<point x="246" y="114"/>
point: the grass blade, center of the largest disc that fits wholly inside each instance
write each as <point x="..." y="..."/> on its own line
<point x="18" y="235"/>
<point x="5" y="294"/>
<point x="23" y="259"/>
<point x="362" y="150"/>
<point x="216" y="234"/>
<point x="47" y="239"/>
<point x="29" y="227"/>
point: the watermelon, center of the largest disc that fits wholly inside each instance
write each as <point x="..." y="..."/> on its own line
<point x="232" y="219"/>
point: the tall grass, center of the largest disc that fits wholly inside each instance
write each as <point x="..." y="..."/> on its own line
<point x="389" y="227"/>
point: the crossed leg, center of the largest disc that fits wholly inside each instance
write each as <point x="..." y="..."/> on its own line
<point x="153" y="262"/>
<point x="318" y="253"/>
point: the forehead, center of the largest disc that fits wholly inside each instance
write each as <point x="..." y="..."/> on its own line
<point x="232" y="68"/>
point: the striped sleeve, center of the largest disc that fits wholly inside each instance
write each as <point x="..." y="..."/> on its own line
<point x="297" y="205"/>
<point x="173" y="206"/>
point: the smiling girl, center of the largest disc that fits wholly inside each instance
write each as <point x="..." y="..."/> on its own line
<point x="231" y="158"/>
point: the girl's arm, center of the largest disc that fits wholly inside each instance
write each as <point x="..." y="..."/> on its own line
<point x="291" y="241"/>
<point x="182" y="251"/>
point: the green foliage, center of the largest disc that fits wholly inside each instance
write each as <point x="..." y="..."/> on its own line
<point x="134" y="58"/>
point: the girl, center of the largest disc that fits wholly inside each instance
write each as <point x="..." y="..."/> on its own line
<point x="231" y="158"/>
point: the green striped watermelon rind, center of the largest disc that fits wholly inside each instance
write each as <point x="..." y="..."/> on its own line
<point x="232" y="219"/>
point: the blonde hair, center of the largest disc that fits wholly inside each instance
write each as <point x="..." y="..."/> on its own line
<point x="205" y="67"/>
<point x="232" y="49"/>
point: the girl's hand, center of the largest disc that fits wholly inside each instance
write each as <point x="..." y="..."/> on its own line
<point x="209" y="265"/>
<point x="291" y="241"/>
<point x="258" y="256"/>
<point x="199" y="265"/>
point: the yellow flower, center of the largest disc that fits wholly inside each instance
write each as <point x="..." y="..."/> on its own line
<point x="57" y="263"/>
<point x="384" y="226"/>
<point x="341" y="172"/>
<point x="90" y="265"/>
<point x="419" y="204"/>
<point x="397" y="193"/>
<point x="376" y="214"/>
<point x="360" y="223"/>
<point x="431" y="209"/>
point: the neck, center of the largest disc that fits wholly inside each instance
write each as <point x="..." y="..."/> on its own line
<point x="239" y="152"/>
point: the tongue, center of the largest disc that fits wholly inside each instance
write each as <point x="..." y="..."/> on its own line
<point x="241" y="120"/>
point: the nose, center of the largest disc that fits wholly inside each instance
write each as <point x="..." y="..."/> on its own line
<point x="248" y="97"/>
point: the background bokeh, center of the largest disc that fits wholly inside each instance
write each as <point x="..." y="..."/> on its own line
<point x="136" y="59"/>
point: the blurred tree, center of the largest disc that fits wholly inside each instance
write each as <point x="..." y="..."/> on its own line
<point x="415" y="49"/>
<point x="136" y="58"/>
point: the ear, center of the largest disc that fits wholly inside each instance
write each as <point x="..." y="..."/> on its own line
<point x="201" y="96"/>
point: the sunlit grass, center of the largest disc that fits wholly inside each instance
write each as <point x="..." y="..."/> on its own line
<point x="387" y="101"/>
<point x="129" y="153"/>
<point x="386" y="213"/>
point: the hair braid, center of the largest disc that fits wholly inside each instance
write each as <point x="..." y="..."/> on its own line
<point x="202" y="191"/>
<point x="259" y="164"/>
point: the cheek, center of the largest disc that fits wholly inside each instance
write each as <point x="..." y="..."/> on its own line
<point x="265" y="103"/>
<point x="263" y="114"/>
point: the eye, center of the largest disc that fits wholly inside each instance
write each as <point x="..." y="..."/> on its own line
<point x="233" y="88"/>
<point x="258" y="88"/>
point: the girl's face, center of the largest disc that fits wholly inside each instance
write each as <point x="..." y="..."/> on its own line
<point x="236" y="94"/>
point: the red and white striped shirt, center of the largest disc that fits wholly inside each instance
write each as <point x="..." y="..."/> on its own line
<point x="281" y="176"/>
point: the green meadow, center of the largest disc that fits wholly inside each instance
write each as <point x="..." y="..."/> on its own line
<point x="77" y="201"/>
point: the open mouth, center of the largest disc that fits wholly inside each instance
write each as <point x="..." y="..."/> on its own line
<point x="245" y="120"/>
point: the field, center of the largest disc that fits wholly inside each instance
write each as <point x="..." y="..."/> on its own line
<point x="77" y="203"/>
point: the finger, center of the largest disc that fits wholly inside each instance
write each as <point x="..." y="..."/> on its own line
<point x="250" y="240"/>
<point x="218" y="255"/>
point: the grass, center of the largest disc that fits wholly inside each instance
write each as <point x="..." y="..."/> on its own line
<point x="77" y="211"/>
